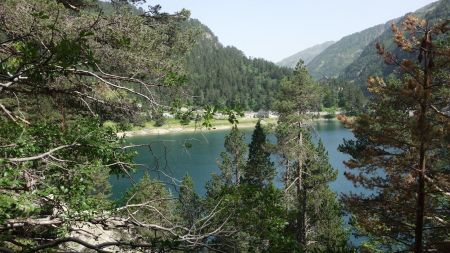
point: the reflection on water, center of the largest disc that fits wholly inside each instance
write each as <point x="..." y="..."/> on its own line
<point x="171" y="156"/>
<point x="196" y="154"/>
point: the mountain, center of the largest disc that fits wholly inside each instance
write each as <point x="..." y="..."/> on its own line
<point x="338" y="56"/>
<point x="369" y="63"/>
<point x="306" y="55"/>
<point x="224" y="76"/>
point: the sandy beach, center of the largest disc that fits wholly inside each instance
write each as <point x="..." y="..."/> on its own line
<point x="174" y="129"/>
<point x="180" y="129"/>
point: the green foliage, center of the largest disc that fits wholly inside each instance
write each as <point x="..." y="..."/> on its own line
<point x="253" y="206"/>
<point x="233" y="160"/>
<point x="259" y="169"/>
<point x="256" y="214"/>
<point x="262" y="216"/>
<point x="46" y="184"/>
<point x="225" y="77"/>
<point x="159" y="118"/>
<point x="185" y="117"/>
<point x="335" y="58"/>
<point x="190" y="207"/>
<point x="208" y="116"/>
<point x="401" y="142"/>
<point x="173" y="78"/>
<point x="347" y="96"/>
<point x="314" y="214"/>
<point x="153" y="205"/>
<point x="65" y="68"/>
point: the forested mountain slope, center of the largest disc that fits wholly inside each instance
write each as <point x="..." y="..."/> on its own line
<point x="306" y="55"/>
<point x="338" y="56"/>
<point x="224" y="76"/>
<point x="369" y="63"/>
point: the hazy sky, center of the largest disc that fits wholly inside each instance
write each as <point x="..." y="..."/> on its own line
<point x="276" y="29"/>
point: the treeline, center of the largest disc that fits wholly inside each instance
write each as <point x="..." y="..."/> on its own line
<point x="338" y="94"/>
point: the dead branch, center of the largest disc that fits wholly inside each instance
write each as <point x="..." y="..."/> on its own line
<point x="40" y="156"/>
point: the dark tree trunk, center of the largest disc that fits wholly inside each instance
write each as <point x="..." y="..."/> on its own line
<point x="422" y="127"/>
<point x="301" y="198"/>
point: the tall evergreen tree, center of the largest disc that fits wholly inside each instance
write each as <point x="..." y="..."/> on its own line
<point x="233" y="160"/>
<point x="260" y="169"/>
<point x="306" y="168"/>
<point x="253" y="205"/>
<point x="402" y="146"/>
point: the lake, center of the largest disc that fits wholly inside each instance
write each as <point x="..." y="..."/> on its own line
<point x="171" y="156"/>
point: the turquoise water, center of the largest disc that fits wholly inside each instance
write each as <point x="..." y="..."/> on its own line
<point x="171" y="156"/>
<point x="197" y="154"/>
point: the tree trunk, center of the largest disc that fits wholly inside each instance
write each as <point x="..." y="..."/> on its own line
<point x="422" y="127"/>
<point x="237" y="167"/>
<point x="420" y="208"/>
<point x="301" y="197"/>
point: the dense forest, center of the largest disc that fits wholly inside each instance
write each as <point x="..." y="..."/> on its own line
<point x="224" y="76"/>
<point x="337" y="57"/>
<point x="67" y="66"/>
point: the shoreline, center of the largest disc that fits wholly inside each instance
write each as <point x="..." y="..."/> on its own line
<point x="248" y="123"/>
<point x="178" y="129"/>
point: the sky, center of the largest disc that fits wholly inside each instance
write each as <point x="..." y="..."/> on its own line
<point x="274" y="30"/>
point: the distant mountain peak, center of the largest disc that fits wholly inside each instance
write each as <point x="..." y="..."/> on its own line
<point x="306" y="55"/>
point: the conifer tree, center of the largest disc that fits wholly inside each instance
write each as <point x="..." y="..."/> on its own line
<point x="402" y="146"/>
<point x="189" y="202"/>
<point x="254" y="205"/>
<point x="260" y="169"/>
<point x="233" y="160"/>
<point x="306" y="168"/>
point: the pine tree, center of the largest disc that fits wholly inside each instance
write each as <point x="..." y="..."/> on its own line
<point x="323" y="207"/>
<point x="233" y="160"/>
<point x="402" y="145"/>
<point x="190" y="207"/>
<point x="252" y="205"/>
<point x="260" y="169"/>
<point x="306" y="168"/>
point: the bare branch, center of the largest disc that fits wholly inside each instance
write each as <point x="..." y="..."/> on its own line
<point x="445" y="114"/>
<point x="40" y="156"/>
<point x="104" y="78"/>
<point x="14" y="223"/>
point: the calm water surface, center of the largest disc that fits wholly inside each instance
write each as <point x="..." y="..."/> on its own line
<point x="171" y="156"/>
<point x="197" y="155"/>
